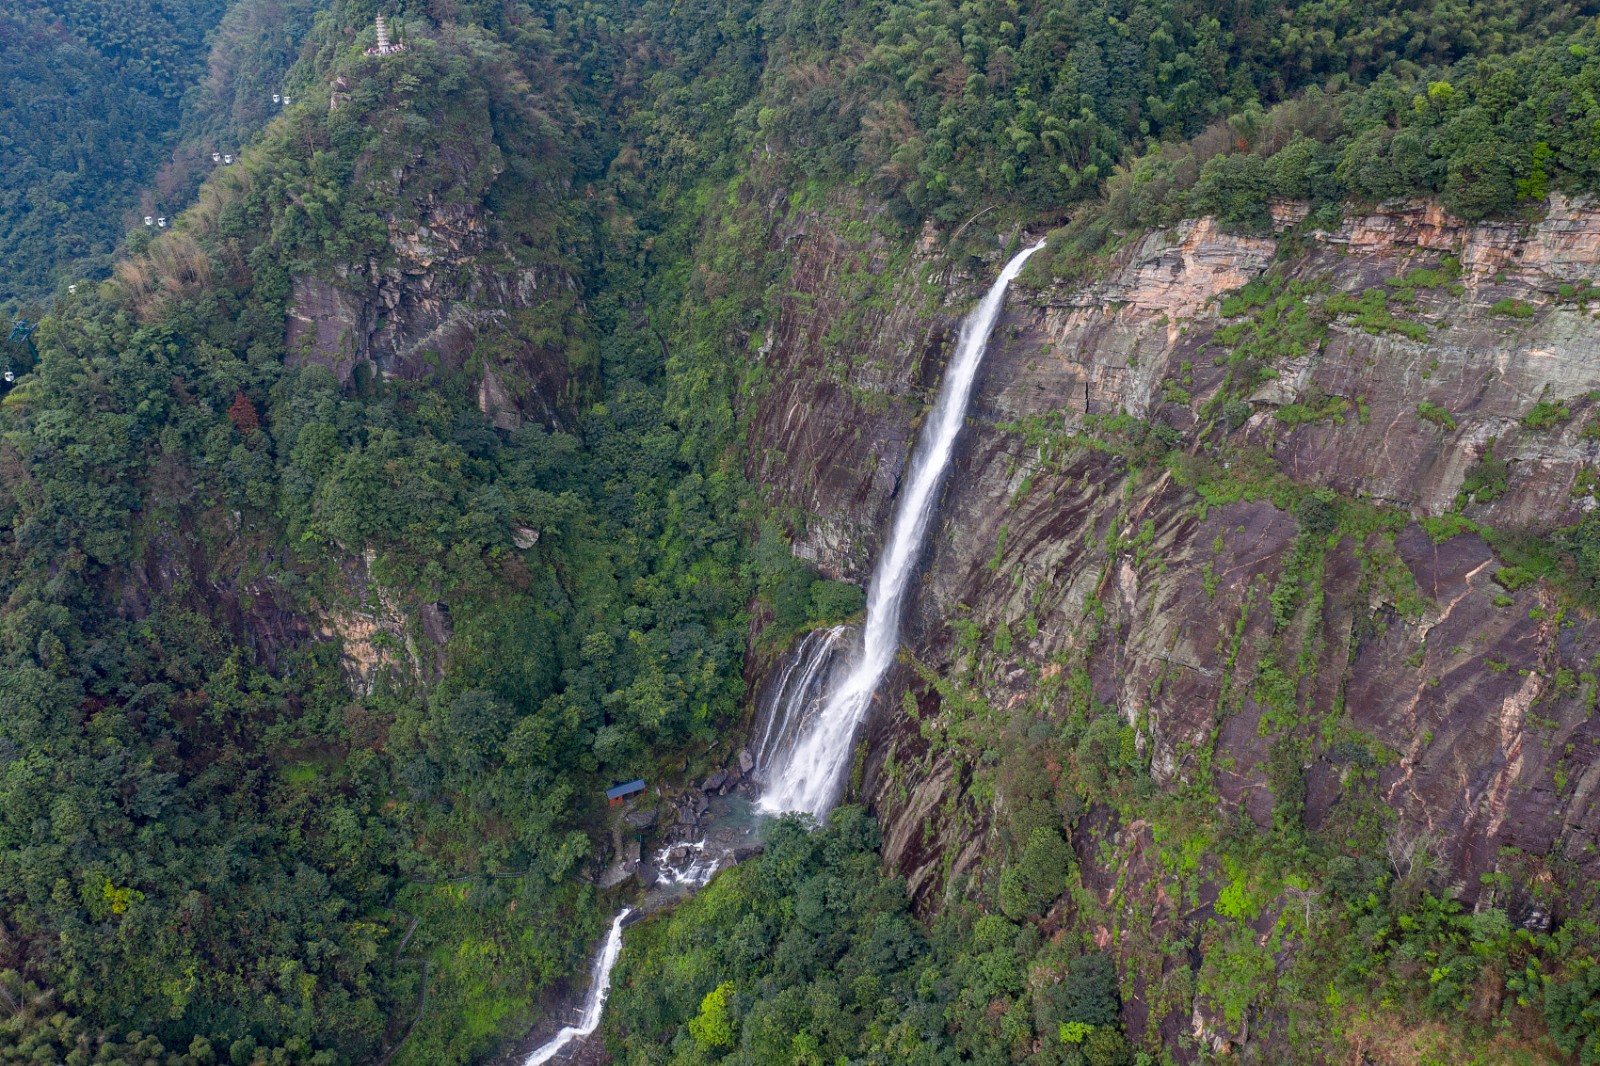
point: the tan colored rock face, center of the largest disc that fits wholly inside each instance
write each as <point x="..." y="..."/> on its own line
<point x="1486" y="740"/>
<point x="1179" y="274"/>
<point x="1562" y="246"/>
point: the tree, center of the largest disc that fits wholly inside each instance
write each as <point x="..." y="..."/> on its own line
<point x="243" y="415"/>
<point x="1028" y="886"/>
<point x="712" y="1028"/>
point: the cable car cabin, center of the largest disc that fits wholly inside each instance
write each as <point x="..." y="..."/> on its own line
<point x="618" y="793"/>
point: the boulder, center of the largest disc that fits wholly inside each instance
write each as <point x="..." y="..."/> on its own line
<point x="715" y="781"/>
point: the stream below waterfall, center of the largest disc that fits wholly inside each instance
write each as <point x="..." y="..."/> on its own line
<point x="807" y="726"/>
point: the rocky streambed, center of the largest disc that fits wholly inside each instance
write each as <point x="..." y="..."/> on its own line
<point x="670" y="844"/>
<point x="676" y="840"/>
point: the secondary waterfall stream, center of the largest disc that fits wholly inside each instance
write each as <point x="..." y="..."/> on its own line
<point x="594" y="1002"/>
<point x="815" y="730"/>
<point x="821" y="698"/>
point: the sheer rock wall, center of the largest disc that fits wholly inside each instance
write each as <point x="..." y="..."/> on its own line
<point x="1486" y="740"/>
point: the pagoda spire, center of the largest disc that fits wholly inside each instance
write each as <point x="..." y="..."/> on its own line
<point x="384" y="47"/>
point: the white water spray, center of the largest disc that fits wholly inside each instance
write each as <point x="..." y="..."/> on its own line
<point x="802" y="689"/>
<point x="808" y="774"/>
<point x="594" y="1002"/>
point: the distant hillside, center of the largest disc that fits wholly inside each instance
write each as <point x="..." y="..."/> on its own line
<point x="91" y="96"/>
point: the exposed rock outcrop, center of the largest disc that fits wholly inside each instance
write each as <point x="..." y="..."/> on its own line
<point x="831" y="434"/>
<point x="446" y="289"/>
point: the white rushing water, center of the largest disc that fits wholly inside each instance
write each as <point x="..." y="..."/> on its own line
<point x="594" y="1002"/>
<point x="801" y="690"/>
<point x="691" y="865"/>
<point x="815" y="734"/>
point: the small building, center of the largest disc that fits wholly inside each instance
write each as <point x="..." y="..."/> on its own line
<point x="617" y="793"/>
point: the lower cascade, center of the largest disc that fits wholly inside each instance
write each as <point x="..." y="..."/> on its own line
<point x="812" y="731"/>
<point x="594" y="1002"/>
<point x="812" y="716"/>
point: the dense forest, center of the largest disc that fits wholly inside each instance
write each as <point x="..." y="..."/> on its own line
<point x="92" y="95"/>
<point x="112" y="112"/>
<point x="219" y="843"/>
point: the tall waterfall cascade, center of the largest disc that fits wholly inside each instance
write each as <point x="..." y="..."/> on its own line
<point x="825" y="689"/>
<point x="822" y="699"/>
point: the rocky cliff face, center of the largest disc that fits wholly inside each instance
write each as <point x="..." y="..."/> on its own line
<point x="1062" y="552"/>
<point x="853" y="358"/>
<point x="448" y="288"/>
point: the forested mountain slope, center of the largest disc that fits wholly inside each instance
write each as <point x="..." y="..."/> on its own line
<point x="90" y="94"/>
<point x="484" y="436"/>
<point x="283" y="641"/>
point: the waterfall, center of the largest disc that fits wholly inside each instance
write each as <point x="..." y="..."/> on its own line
<point x="594" y="1002"/>
<point x="801" y="691"/>
<point x="813" y="736"/>
<point x="812" y="713"/>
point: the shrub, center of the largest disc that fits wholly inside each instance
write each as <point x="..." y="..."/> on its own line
<point x="1446" y="526"/>
<point x="834" y="601"/>
<point x="1487" y="479"/>
<point x="1439" y="416"/>
<point x="1236" y="413"/>
<point x="1512" y="308"/>
<point x="1314" y="409"/>
<point x="1317" y="513"/>
<point x="1545" y="415"/>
